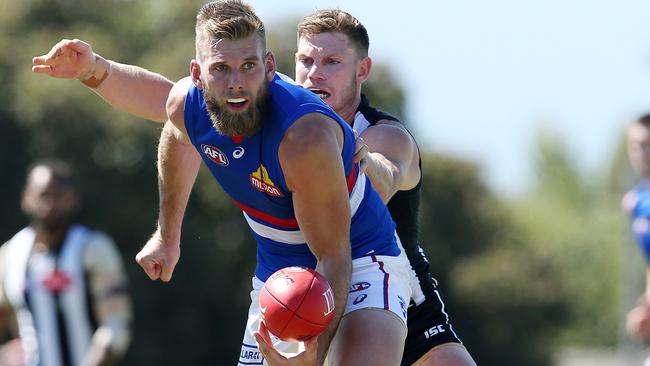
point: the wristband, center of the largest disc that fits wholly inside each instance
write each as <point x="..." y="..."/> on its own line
<point x="93" y="82"/>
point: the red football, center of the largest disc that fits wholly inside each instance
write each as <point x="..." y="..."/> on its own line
<point x="296" y="303"/>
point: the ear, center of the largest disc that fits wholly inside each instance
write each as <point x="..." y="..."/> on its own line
<point x="195" y="73"/>
<point x="269" y="65"/>
<point x="24" y="201"/>
<point x="363" y="69"/>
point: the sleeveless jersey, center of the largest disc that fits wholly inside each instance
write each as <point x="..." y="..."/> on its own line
<point x="404" y="206"/>
<point x="640" y="217"/>
<point x="49" y="295"/>
<point x="249" y="171"/>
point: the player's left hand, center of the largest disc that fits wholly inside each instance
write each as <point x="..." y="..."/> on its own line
<point x="275" y="358"/>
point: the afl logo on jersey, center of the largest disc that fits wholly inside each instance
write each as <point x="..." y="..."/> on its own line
<point x="215" y="155"/>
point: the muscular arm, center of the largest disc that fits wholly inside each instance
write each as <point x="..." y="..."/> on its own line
<point x="134" y="90"/>
<point x="128" y="88"/>
<point x="178" y="165"/>
<point x="310" y="155"/>
<point x="393" y="159"/>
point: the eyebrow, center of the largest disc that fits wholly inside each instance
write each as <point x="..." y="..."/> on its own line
<point x="246" y="59"/>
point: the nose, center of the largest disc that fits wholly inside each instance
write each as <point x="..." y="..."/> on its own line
<point x="235" y="82"/>
<point x="315" y="73"/>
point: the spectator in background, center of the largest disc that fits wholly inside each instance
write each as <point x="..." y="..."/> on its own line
<point x="64" y="283"/>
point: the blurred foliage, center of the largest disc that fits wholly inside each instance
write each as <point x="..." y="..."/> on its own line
<point x="520" y="278"/>
<point x="504" y="300"/>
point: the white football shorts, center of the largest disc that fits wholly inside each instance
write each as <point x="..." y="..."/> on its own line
<point x="379" y="282"/>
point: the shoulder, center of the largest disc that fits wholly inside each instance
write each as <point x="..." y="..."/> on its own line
<point x="309" y="131"/>
<point x="372" y="114"/>
<point x="101" y="251"/>
<point x="176" y="100"/>
<point x="312" y="138"/>
<point x="389" y="132"/>
<point x="310" y="149"/>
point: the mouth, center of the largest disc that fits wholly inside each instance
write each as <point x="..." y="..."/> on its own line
<point x="237" y="104"/>
<point x="320" y="92"/>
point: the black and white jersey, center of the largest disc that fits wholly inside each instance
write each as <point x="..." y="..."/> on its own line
<point x="53" y="292"/>
<point x="404" y="207"/>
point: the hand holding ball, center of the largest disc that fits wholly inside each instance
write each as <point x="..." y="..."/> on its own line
<point x="296" y="303"/>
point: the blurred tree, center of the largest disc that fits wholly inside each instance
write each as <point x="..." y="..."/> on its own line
<point x="575" y="222"/>
<point x="504" y="299"/>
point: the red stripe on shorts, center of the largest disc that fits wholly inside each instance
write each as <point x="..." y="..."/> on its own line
<point x="381" y="268"/>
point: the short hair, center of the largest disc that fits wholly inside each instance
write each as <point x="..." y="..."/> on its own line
<point x="644" y="120"/>
<point x="62" y="172"/>
<point x="336" y="20"/>
<point x="228" y="19"/>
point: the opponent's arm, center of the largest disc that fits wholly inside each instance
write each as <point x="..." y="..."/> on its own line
<point x="310" y="156"/>
<point x="392" y="161"/>
<point x="111" y="302"/>
<point x="126" y="87"/>
<point x="178" y="165"/>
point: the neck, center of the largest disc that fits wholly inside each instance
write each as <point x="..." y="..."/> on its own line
<point x="49" y="238"/>
<point x="349" y="111"/>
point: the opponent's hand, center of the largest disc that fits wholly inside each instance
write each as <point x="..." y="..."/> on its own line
<point x="638" y="322"/>
<point x="275" y="358"/>
<point x="158" y="258"/>
<point x="68" y="59"/>
<point x="360" y="152"/>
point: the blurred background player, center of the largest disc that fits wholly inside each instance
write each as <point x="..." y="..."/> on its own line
<point x="332" y="61"/>
<point x="636" y="203"/>
<point x="63" y="282"/>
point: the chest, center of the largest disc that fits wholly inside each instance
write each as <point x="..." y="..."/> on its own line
<point x="247" y="169"/>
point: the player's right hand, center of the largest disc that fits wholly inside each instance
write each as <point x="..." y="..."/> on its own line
<point x="275" y="358"/>
<point x="67" y="59"/>
<point x="158" y="258"/>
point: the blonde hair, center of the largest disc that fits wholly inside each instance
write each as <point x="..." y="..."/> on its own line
<point x="336" y="20"/>
<point x="227" y="19"/>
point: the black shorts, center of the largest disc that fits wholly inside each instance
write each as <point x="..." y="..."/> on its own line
<point x="428" y="327"/>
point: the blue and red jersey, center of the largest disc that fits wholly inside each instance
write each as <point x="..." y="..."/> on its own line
<point x="249" y="171"/>
<point x="640" y="216"/>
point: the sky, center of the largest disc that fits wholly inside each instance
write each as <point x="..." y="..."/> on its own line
<point x="484" y="78"/>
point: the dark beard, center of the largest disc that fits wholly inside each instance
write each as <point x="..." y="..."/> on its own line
<point x="238" y="124"/>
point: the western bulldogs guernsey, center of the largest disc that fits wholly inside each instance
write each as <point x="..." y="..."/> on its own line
<point x="404" y="207"/>
<point x="249" y="172"/>
<point x="640" y="216"/>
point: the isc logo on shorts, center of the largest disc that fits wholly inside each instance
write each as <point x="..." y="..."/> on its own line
<point x="215" y="154"/>
<point x="437" y="329"/>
